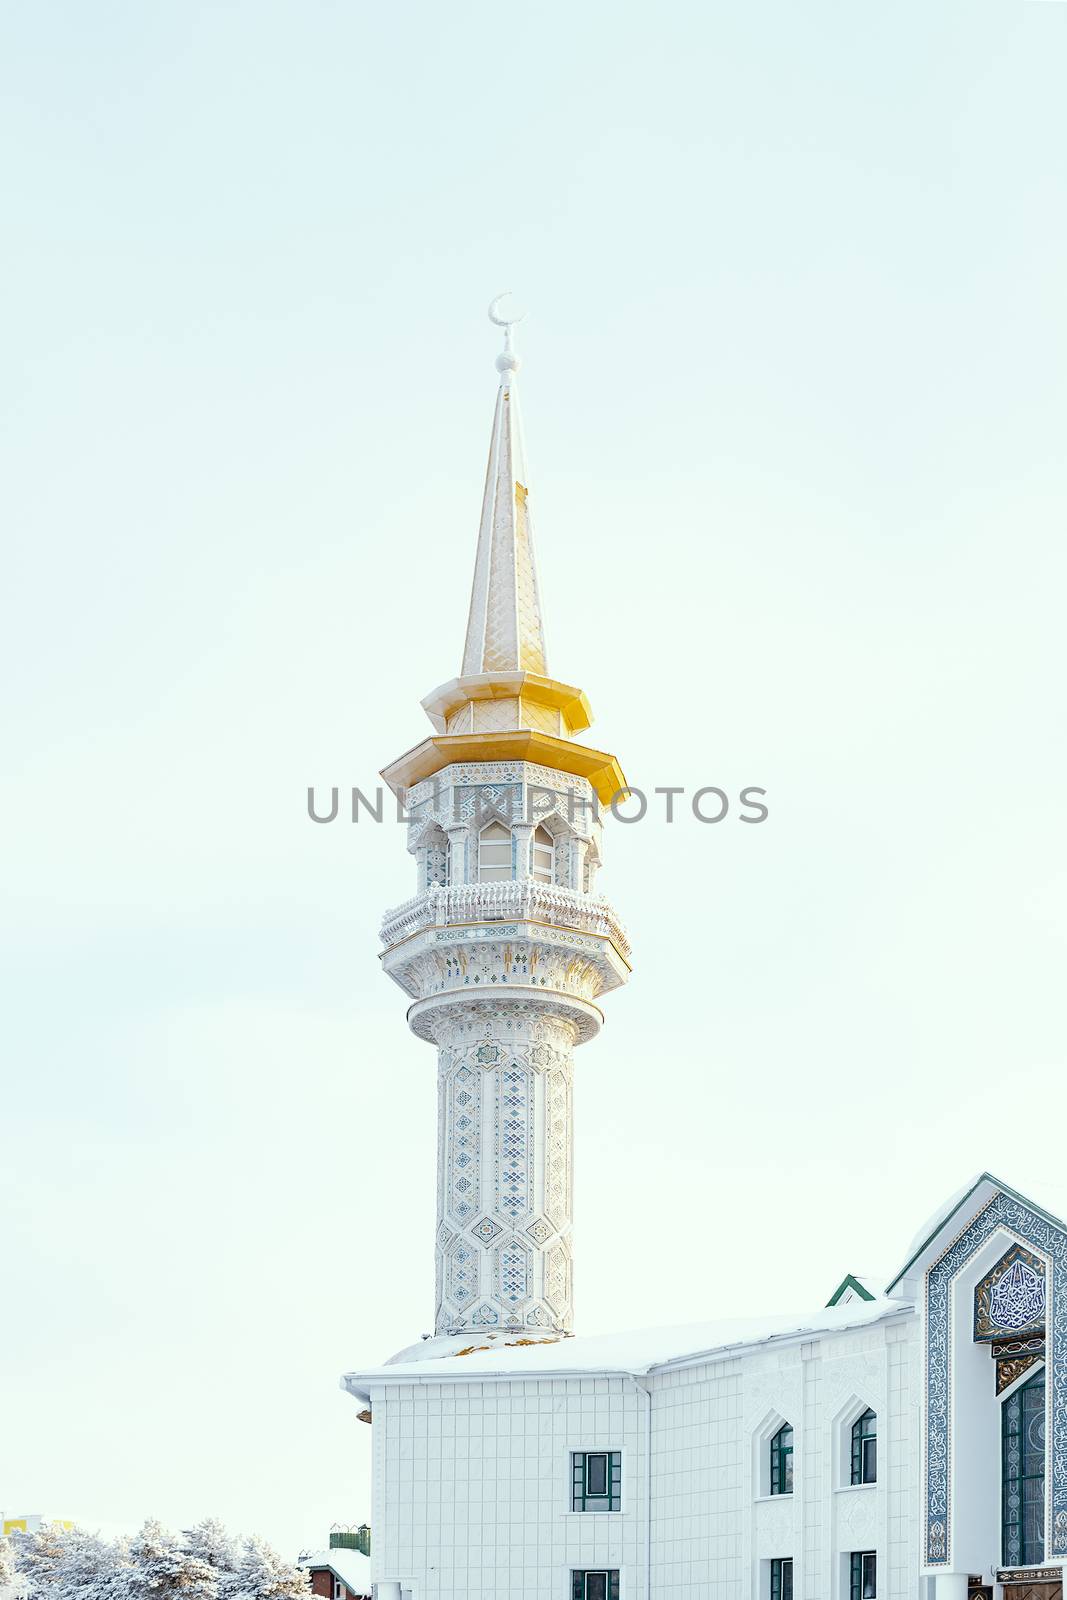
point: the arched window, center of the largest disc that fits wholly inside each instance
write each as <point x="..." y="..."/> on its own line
<point x="543" y="858"/>
<point x="494" y="852"/>
<point x="865" y="1448"/>
<point x="782" y="1461"/>
<point x="1023" y="1473"/>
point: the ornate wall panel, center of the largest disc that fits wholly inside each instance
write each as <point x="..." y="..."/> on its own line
<point x="1028" y="1229"/>
<point x="464" y="1137"/>
<point x="558" y="1199"/>
<point x="513" y="1156"/>
<point x="503" y="1233"/>
<point x="1010" y="1300"/>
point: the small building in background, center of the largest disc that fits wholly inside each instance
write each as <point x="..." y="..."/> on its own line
<point x="30" y="1523"/>
<point x="343" y="1571"/>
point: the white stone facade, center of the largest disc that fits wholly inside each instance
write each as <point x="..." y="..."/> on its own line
<point x="472" y="1479"/>
<point x="960" y="1498"/>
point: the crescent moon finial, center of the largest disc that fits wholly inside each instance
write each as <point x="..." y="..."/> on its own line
<point x="507" y="362"/>
<point x="502" y="322"/>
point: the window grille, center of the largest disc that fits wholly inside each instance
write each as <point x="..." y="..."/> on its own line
<point x="595" y="1585"/>
<point x="782" y="1578"/>
<point x="863" y="1575"/>
<point x="596" y="1480"/>
<point x="1023" y="1473"/>
<point x="782" y="1461"/>
<point x="865" y="1448"/>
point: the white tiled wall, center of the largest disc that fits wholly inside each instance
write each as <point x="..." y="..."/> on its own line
<point x="472" y="1481"/>
<point x="472" y="1486"/>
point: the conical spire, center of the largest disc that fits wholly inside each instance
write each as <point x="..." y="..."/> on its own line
<point x="504" y="706"/>
<point x="505" y="632"/>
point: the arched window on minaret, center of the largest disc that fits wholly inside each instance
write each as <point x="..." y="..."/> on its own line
<point x="494" y="852"/>
<point x="543" y="858"/>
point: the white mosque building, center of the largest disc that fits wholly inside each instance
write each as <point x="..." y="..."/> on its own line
<point x="905" y="1440"/>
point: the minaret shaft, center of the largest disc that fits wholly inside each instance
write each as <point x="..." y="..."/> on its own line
<point x="505" y="1171"/>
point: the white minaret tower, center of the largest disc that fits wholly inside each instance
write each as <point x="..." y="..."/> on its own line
<point x="505" y="950"/>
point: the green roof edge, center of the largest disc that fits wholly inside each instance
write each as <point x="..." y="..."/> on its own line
<point x="849" y="1282"/>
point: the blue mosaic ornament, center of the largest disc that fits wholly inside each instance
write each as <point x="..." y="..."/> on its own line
<point x="1031" y="1229"/>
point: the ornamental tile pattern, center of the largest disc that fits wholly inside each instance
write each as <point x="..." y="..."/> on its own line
<point x="557" y="1280"/>
<point x="514" y="1139"/>
<point x="436" y="866"/>
<point x="513" y="1270"/>
<point x="1029" y="1230"/>
<point x="462" y="1274"/>
<point x="1009" y="1303"/>
<point x="486" y="1230"/>
<point x="509" y="1067"/>
<point x="465" y="1122"/>
<point x="558" y="1199"/>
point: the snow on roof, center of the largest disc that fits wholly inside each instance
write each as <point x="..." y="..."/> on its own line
<point x="638" y="1353"/>
<point x="351" y="1566"/>
<point x="1051" y="1198"/>
<point x="941" y="1215"/>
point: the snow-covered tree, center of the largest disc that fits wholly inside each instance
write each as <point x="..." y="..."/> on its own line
<point x="161" y="1567"/>
<point x="71" y="1563"/>
<point x="210" y="1542"/>
<point x="7" y="1568"/>
<point x="92" y="1568"/>
<point x="203" y="1564"/>
<point x="38" y="1558"/>
<point x="263" y="1575"/>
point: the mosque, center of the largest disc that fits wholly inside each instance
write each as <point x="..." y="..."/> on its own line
<point x="906" y="1441"/>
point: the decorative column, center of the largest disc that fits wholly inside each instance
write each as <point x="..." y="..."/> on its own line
<point x="505" y="1083"/>
<point x="457" y="853"/>
<point x="523" y="835"/>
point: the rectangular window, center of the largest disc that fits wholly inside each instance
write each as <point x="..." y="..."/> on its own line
<point x="863" y="1575"/>
<point x="782" y="1578"/>
<point x="602" y="1585"/>
<point x="596" y="1480"/>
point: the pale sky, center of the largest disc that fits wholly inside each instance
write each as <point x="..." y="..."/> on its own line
<point x="794" y="396"/>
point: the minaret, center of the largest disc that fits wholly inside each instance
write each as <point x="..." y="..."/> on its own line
<point x="505" y="949"/>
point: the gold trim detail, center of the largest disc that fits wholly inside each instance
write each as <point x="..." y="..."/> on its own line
<point x="522" y="744"/>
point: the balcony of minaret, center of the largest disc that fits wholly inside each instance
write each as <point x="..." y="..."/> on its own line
<point x="513" y="938"/>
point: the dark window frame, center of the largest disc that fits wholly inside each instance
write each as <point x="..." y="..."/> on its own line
<point x="1023" y="1536"/>
<point x="865" y="1448"/>
<point x="863" y="1575"/>
<point x="585" y="1499"/>
<point x="580" y="1586"/>
<point x="782" y="1578"/>
<point x="782" y="1460"/>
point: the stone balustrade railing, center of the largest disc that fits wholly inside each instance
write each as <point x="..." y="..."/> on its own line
<point x="516" y="898"/>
